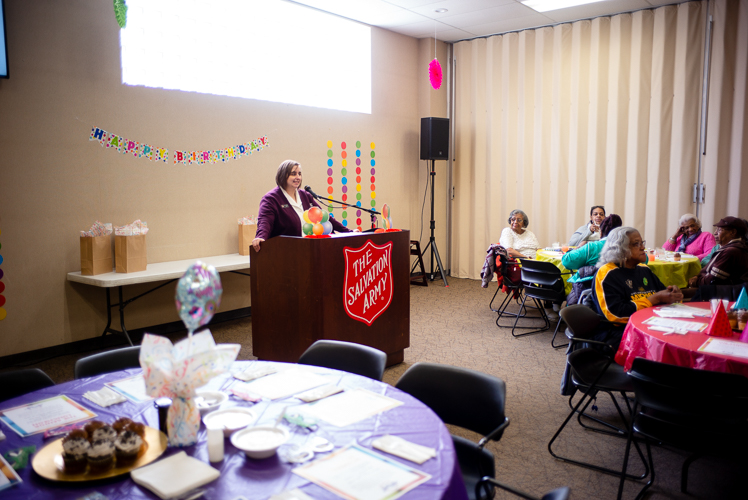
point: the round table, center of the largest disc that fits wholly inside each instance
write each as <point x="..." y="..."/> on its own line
<point x="554" y="257"/>
<point x="675" y="273"/>
<point x="240" y="476"/>
<point x="639" y="341"/>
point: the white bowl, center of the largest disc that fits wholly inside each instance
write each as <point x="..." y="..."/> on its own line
<point x="259" y="442"/>
<point x="229" y="419"/>
<point x="211" y="401"/>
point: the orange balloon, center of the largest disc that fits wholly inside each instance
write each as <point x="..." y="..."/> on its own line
<point x="315" y="214"/>
<point x="318" y="229"/>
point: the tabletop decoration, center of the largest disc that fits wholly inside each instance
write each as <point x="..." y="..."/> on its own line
<point x="742" y="302"/>
<point x="744" y="335"/>
<point x="387" y="216"/>
<point x="176" y="371"/>
<point x="316" y="223"/>
<point x="719" y="325"/>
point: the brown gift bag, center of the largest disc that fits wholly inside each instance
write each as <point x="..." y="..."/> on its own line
<point x="246" y="235"/>
<point x="96" y="255"/>
<point x="130" y="253"/>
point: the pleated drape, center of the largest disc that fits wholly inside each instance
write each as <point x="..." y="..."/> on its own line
<point x="598" y="112"/>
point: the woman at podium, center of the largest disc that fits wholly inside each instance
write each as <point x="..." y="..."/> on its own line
<point x="282" y="208"/>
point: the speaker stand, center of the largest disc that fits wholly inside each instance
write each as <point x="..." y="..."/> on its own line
<point x="432" y="240"/>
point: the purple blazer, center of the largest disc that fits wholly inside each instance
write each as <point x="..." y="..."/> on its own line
<point x="278" y="218"/>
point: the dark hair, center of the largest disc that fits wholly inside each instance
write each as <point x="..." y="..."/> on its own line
<point x="610" y="223"/>
<point x="597" y="206"/>
<point x="284" y="172"/>
<point x="520" y="212"/>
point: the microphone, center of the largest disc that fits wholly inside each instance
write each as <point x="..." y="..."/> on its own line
<point x="309" y="190"/>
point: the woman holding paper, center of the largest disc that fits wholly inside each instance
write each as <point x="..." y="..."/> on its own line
<point x="282" y="208"/>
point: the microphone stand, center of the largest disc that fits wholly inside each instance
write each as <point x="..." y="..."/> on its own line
<point x="345" y="204"/>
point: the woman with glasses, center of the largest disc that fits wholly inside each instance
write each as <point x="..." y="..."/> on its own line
<point x="589" y="231"/>
<point x="624" y="284"/>
<point x="690" y="239"/>
<point x="519" y="242"/>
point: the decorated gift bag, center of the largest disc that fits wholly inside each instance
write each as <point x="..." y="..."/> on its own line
<point x="129" y="247"/>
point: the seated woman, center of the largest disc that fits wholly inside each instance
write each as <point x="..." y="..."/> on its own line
<point x="591" y="230"/>
<point x="689" y="238"/>
<point x="624" y="284"/>
<point x="729" y="265"/>
<point x="519" y="242"/>
<point x="583" y="259"/>
<point x="282" y="208"/>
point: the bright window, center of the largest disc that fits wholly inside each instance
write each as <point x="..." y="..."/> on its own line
<point x="257" y="49"/>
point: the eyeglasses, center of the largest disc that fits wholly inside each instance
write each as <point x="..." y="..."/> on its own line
<point x="516" y="219"/>
<point x="642" y="243"/>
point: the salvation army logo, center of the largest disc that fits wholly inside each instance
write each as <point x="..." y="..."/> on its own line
<point x="367" y="288"/>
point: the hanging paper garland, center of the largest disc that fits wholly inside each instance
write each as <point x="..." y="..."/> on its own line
<point x="435" y="74"/>
<point x="153" y="153"/>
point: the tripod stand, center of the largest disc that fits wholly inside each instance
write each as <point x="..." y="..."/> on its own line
<point x="432" y="241"/>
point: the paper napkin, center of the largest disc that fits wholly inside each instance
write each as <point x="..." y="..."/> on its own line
<point x="404" y="449"/>
<point x="319" y="393"/>
<point x="175" y="475"/>
<point x="105" y="397"/>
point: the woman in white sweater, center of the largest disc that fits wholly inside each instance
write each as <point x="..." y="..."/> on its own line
<point x="519" y="242"/>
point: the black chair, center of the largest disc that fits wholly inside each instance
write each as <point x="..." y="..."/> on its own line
<point x="107" y="362"/>
<point x="593" y="371"/>
<point x="465" y="398"/>
<point x="19" y="382"/>
<point x="511" y="281"/>
<point x="541" y="281"/>
<point x="484" y="490"/>
<point x="699" y="411"/>
<point x="346" y="356"/>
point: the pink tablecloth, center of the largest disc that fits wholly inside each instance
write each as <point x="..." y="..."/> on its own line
<point x="640" y="342"/>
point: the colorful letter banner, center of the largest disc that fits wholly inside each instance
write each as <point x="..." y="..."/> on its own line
<point x="153" y="153"/>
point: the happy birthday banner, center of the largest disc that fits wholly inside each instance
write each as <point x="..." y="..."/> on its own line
<point x="138" y="150"/>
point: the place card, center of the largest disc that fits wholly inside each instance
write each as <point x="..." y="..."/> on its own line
<point x="725" y="347"/>
<point x="133" y="388"/>
<point x="43" y="415"/>
<point x="351" y="407"/>
<point x="356" y="473"/>
<point x="676" y="324"/>
<point x="286" y="383"/>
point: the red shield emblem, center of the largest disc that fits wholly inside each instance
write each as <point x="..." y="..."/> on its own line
<point x="367" y="289"/>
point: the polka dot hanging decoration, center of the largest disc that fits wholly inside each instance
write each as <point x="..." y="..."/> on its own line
<point x="435" y="74"/>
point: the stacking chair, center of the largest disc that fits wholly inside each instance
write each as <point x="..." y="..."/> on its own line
<point x="19" y="382"/>
<point x="541" y="281"/>
<point x="465" y="398"/>
<point x="593" y="371"/>
<point x="699" y="411"/>
<point x="484" y="490"/>
<point x="346" y="356"/>
<point x="513" y="283"/>
<point x="107" y="362"/>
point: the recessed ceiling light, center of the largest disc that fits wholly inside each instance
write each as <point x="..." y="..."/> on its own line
<point x="546" y="5"/>
<point x="441" y="11"/>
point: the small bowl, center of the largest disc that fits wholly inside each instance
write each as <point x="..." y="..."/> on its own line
<point x="229" y="419"/>
<point x="211" y="401"/>
<point x="260" y="442"/>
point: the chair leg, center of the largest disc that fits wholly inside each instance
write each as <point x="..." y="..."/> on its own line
<point x="543" y="316"/>
<point x="556" y="333"/>
<point x="684" y="471"/>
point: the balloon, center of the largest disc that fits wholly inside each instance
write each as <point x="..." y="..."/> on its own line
<point x="325" y="216"/>
<point x="327" y="226"/>
<point x="198" y="295"/>
<point x="318" y="229"/>
<point x="307" y="228"/>
<point x="315" y="215"/>
<point x="306" y="217"/>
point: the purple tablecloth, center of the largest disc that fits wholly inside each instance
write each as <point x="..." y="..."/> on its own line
<point x="253" y="479"/>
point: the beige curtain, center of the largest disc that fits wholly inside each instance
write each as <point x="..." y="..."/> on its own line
<point x="599" y="112"/>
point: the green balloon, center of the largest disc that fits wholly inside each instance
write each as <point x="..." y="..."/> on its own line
<point x="307" y="228"/>
<point x="325" y="216"/>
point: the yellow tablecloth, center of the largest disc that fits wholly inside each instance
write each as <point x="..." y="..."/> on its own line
<point x="555" y="259"/>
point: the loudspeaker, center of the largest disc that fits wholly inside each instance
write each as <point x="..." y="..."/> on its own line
<point x="434" y="138"/>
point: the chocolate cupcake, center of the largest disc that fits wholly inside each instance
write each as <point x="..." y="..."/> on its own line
<point x="121" y="424"/>
<point x="742" y="319"/>
<point x="105" y="432"/>
<point x="127" y="447"/>
<point x="75" y="452"/>
<point x="101" y="456"/>
<point x="732" y="317"/>
<point x="137" y="428"/>
<point x="92" y="426"/>
<point x="676" y="257"/>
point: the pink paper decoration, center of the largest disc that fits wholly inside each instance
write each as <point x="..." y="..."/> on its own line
<point x="435" y="74"/>
<point x="744" y="335"/>
<point x="719" y="325"/>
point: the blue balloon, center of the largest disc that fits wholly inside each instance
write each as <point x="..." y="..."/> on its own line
<point x="327" y="227"/>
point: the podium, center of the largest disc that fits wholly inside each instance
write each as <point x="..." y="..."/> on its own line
<point x="306" y="289"/>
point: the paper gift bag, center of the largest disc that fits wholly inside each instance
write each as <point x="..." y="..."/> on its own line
<point x="246" y="235"/>
<point x="96" y="255"/>
<point x="130" y="253"/>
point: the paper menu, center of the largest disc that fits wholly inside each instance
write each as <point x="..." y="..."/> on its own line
<point x="725" y="347"/>
<point x="285" y="383"/>
<point x="676" y="324"/>
<point x="351" y="407"/>
<point x="132" y="388"/>
<point x="356" y="473"/>
<point x="43" y="415"/>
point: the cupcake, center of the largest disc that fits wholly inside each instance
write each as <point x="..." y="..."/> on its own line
<point x="676" y="257"/>
<point x="101" y="456"/>
<point x="127" y="447"/>
<point x="137" y="428"/>
<point x="742" y="318"/>
<point x="121" y="423"/>
<point x="105" y="432"/>
<point x="92" y="426"/>
<point x="74" y="452"/>
<point x="732" y="317"/>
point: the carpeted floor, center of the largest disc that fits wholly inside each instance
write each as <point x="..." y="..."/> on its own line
<point x="455" y="326"/>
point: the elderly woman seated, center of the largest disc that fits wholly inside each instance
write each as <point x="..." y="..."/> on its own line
<point x="519" y="241"/>
<point x="591" y="230"/>
<point x="729" y="265"/>
<point x="690" y="239"/>
<point x="624" y="284"/>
